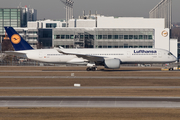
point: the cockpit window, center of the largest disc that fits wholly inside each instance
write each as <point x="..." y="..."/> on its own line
<point x="170" y="53"/>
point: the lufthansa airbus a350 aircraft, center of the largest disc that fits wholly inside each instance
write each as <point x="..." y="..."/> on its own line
<point x="109" y="58"/>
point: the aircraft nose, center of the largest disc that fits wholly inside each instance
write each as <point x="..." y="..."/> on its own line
<point x="175" y="58"/>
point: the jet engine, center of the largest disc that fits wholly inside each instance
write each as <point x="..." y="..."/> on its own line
<point x="112" y="63"/>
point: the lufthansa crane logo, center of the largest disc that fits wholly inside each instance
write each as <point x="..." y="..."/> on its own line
<point x="164" y="33"/>
<point x="15" y="39"/>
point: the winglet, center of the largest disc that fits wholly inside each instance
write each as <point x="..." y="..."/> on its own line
<point x="17" y="41"/>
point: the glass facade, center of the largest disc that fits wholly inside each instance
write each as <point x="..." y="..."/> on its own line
<point x="179" y="50"/>
<point x="124" y="38"/>
<point x="73" y="37"/>
<point x="51" y="25"/>
<point x="45" y="38"/>
<point x="104" y="38"/>
<point x="9" y="17"/>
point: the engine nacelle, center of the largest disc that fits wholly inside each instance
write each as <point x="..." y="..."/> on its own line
<point x="112" y="63"/>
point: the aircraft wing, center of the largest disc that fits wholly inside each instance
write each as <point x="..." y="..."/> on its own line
<point x="81" y="55"/>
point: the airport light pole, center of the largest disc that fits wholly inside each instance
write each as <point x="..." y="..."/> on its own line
<point x="69" y="9"/>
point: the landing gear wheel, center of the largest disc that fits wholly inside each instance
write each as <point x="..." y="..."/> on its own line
<point x="171" y="69"/>
<point x="88" y="69"/>
<point x="93" y="69"/>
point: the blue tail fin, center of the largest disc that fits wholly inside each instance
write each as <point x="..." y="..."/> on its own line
<point x="17" y="41"/>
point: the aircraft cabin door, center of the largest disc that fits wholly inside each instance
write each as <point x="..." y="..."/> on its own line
<point x="159" y="54"/>
<point x="40" y="55"/>
<point x="128" y="54"/>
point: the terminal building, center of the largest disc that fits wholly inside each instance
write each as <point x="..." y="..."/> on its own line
<point x="97" y="31"/>
<point x="17" y="18"/>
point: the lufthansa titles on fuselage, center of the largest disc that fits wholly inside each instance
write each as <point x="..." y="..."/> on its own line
<point x="145" y="52"/>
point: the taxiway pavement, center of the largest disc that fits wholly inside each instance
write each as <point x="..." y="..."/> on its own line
<point x="98" y="102"/>
<point x="92" y="77"/>
<point x="98" y="87"/>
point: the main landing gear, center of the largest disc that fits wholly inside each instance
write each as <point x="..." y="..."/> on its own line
<point x="91" y="69"/>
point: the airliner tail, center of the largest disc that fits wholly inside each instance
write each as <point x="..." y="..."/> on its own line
<point x="17" y="41"/>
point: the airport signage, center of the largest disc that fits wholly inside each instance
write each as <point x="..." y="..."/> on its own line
<point x="164" y="33"/>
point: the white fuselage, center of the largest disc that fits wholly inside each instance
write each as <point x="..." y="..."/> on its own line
<point x="52" y="56"/>
<point x="126" y="56"/>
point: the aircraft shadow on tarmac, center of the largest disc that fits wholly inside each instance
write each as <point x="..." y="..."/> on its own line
<point x="113" y="70"/>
